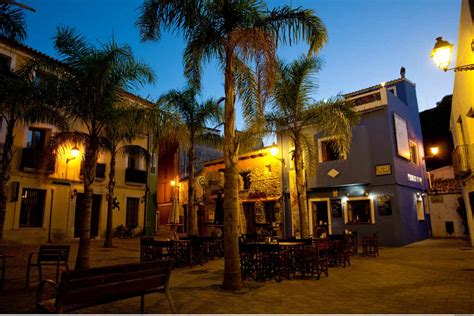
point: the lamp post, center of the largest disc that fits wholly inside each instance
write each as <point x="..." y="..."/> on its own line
<point x="441" y="54"/>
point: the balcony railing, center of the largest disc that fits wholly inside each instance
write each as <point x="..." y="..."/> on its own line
<point x="461" y="161"/>
<point x="33" y="160"/>
<point x="135" y="176"/>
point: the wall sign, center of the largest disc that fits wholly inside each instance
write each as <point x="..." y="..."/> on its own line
<point x="437" y="199"/>
<point x="336" y="208"/>
<point x="384" y="203"/>
<point x="383" y="170"/>
<point x="414" y="178"/>
<point x="401" y="135"/>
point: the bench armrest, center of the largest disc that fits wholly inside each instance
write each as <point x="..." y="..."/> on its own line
<point x="31" y="257"/>
<point x="39" y="291"/>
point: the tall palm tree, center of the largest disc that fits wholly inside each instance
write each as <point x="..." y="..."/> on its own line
<point x="236" y="33"/>
<point x="96" y="79"/>
<point x="24" y="99"/>
<point x="12" y="22"/>
<point x="294" y="111"/>
<point x="125" y="125"/>
<point x="194" y="116"/>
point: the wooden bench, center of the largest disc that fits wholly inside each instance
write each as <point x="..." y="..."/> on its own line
<point x="52" y="255"/>
<point x="96" y="286"/>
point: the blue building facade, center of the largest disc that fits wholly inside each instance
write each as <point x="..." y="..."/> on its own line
<point x="380" y="184"/>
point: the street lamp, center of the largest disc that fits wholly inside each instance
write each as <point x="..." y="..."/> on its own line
<point x="74" y="153"/>
<point x="441" y="54"/>
<point x="434" y="150"/>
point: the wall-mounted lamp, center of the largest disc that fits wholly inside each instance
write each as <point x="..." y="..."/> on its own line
<point x="348" y="194"/>
<point x="366" y="193"/>
<point x="173" y="183"/>
<point x="74" y="153"/>
<point x="441" y="54"/>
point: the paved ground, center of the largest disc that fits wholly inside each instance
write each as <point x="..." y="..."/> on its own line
<point x="433" y="276"/>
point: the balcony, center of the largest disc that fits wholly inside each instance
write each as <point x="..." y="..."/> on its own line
<point x="33" y="160"/>
<point x="99" y="171"/>
<point x="134" y="176"/>
<point x="461" y="161"/>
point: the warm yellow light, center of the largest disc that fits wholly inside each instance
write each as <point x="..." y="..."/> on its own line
<point x="434" y="150"/>
<point x="274" y="150"/>
<point x="75" y="152"/>
<point x="173" y="183"/>
<point x="441" y="53"/>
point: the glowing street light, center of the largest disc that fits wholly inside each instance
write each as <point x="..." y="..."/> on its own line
<point x="173" y="183"/>
<point x="441" y="53"/>
<point x="274" y="150"/>
<point x="74" y="153"/>
<point x="434" y="151"/>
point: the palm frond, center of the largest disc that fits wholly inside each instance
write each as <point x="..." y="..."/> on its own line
<point x="12" y="23"/>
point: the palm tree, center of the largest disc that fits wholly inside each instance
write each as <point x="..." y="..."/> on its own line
<point x="24" y="99"/>
<point x="194" y="117"/>
<point x="95" y="81"/>
<point x="122" y="128"/>
<point x="12" y="22"/>
<point x="236" y="33"/>
<point x="293" y="111"/>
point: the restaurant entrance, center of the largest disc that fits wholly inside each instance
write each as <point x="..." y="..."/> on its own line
<point x="321" y="218"/>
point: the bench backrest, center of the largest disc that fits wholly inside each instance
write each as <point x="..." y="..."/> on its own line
<point x="54" y="253"/>
<point x="101" y="285"/>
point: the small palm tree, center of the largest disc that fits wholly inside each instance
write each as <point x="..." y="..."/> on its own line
<point x="126" y="125"/>
<point x="236" y="33"/>
<point x="294" y="111"/>
<point x="95" y="81"/>
<point x="194" y="117"/>
<point x="24" y="99"/>
<point x="12" y="22"/>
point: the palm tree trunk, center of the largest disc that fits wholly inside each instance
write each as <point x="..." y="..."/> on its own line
<point x="90" y="162"/>
<point x="5" y="172"/>
<point x="109" y="233"/>
<point x="192" y="218"/>
<point x="301" y="190"/>
<point x="232" y="275"/>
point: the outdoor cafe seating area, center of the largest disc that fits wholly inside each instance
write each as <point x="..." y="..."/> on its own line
<point x="263" y="258"/>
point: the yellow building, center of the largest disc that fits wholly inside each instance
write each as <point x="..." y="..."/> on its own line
<point x="462" y="113"/>
<point x="43" y="206"/>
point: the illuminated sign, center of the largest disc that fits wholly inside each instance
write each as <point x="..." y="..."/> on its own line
<point x="413" y="178"/>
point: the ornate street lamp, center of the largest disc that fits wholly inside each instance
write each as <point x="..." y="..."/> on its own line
<point x="441" y="54"/>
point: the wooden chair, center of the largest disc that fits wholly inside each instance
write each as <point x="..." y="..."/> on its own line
<point x="147" y="249"/>
<point x="52" y="255"/>
<point x="370" y="245"/>
<point x="321" y="263"/>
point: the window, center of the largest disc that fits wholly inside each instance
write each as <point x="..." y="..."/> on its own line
<point x="135" y="161"/>
<point x="413" y="152"/>
<point x="153" y="164"/>
<point x="32" y="208"/>
<point x="360" y="212"/>
<point x="328" y="151"/>
<point x="36" y="138"/>
<point x="269" y="212"/>
<point x="392" y="90"/>
<point x="132" y="211"/>
<point x="5" y="63"/>
<point x="246" y="180"/>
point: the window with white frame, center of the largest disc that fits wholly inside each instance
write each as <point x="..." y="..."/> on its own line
<point x="327" y="150"/>
<point x="32" y="207"/>
<point x="392" y="90"/>
<point x="359" y="211"/>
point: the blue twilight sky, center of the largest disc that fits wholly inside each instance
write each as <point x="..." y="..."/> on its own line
<point x="369" y="40"/>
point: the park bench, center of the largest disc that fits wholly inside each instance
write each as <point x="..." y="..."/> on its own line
<point x="96" y="286"/>
<point x="48" y="255"/>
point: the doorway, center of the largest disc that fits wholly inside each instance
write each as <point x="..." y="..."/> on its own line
<point x="321" y="216"/>
<point x="96" y="201"/>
